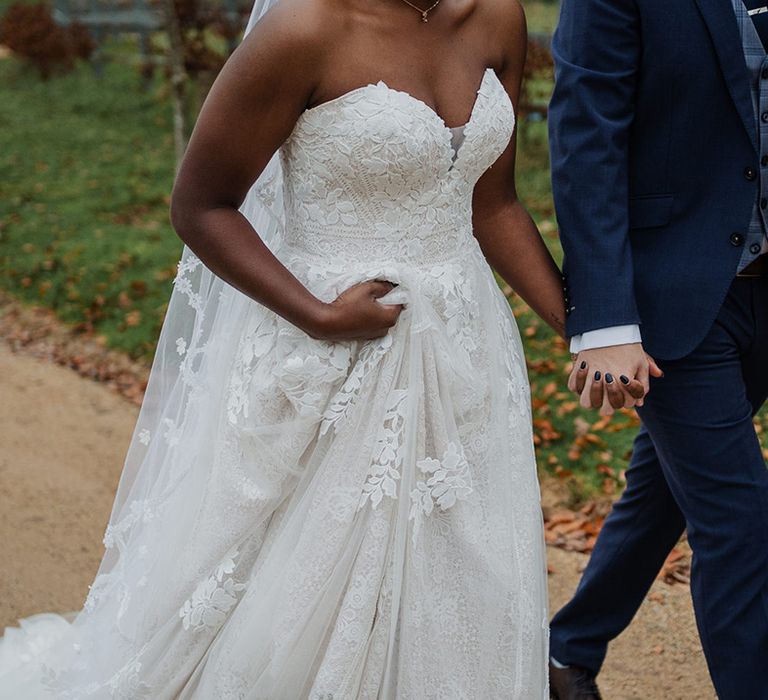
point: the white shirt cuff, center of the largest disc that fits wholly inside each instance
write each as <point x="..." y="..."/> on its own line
<point x="605" y="337"/>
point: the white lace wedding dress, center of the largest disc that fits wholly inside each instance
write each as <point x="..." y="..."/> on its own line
<point x="369" y="522"/>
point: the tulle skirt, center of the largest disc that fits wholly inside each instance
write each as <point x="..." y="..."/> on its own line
<point x="334" y="520"/>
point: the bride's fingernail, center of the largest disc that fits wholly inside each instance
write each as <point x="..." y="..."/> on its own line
<point x="583" y="364"/>
<point x="623" y="379"/>
<point x="609" y="379"/>
<point x="597" y="376"/>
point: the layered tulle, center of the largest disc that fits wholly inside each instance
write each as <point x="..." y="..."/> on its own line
<point x="344" y="481"/>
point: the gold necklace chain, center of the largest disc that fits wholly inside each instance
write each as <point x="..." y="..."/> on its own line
<point x="424" y="13"/>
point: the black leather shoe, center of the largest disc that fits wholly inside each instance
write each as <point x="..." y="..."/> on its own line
<point x="572" y="683"/>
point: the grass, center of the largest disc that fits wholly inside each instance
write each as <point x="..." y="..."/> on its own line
<point x="86" y="166"/>
<point x="541" y="15"/>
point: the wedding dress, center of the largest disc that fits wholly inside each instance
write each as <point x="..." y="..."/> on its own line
<point x="334" y="520"/>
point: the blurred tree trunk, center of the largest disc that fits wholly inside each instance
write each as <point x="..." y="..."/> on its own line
<point x="179" y="78"/>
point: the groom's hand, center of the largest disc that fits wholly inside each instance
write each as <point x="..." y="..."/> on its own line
<point x="613" y="377"/>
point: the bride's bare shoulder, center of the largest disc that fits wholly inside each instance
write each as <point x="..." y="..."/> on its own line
<point x="503" y="19"/>
<point x="504" y="26"/>
<point x="287" y="51"/>
<point x="305" y="28"/>
<point x="509" y="12"/>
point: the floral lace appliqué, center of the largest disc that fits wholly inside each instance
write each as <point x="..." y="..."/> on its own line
<point x="447" y="481"/>
<point x="370" y="354"/>
<point x="213" y="598"/>
<point x="388" y="457"/>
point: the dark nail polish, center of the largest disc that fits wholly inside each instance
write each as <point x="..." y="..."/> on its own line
<point x="597" y="376"/>
<point x="623" y="379"/>
<point x="583" y="364"/>
<point x="609" y="379"/>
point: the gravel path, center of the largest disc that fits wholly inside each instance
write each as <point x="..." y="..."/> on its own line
<point x="62" y="441"/>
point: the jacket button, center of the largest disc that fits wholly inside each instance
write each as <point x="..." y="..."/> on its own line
<point x="737" y="239"/>
<point x="750" y="173"/>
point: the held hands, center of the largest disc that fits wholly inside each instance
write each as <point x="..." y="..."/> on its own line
<point x="356" y="314"/>
<point x="613" y="377"/>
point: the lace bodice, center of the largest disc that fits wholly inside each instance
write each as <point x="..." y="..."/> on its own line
<point x="373" y="172"/>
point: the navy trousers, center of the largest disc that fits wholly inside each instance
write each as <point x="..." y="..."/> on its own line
<point x="697" y="463"/>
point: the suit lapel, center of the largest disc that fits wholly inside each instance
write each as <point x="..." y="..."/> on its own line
<point x="722" y="25"/>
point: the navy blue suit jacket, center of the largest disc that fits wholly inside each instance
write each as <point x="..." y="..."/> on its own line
<point x="654" y="154"/>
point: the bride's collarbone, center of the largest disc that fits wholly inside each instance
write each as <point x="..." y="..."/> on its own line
<point x="440" y="63"/>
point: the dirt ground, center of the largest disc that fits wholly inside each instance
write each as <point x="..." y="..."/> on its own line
<point x="62" y="441"/>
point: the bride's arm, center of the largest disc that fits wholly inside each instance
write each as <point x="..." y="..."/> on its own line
<point x="507" y="235"/>
<point x="250" y="111"/>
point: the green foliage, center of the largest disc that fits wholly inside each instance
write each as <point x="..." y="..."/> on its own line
<point x="541" y="14"/>
<point x="86" y="166"/>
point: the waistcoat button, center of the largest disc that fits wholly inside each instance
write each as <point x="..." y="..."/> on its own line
<point x="737" y="239"/>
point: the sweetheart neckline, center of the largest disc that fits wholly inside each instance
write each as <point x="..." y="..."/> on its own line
<point x="381" y="83"/>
